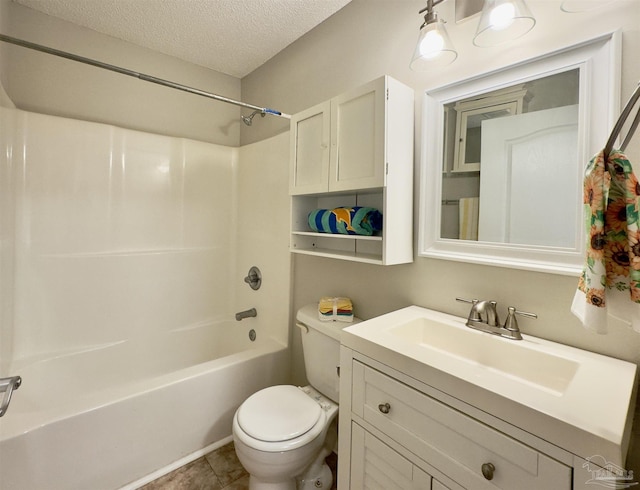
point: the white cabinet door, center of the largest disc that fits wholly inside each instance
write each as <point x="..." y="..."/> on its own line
<point x="358" y="138"/>
<point x="375" y="466"/>
<point x="310" y="136"/>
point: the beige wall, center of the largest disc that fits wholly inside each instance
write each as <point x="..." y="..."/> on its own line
<point x="369" y="38"/>
<point x="366" y="39"/>
<point x="50" y="85"/>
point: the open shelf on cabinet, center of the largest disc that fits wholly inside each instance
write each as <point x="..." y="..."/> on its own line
<point x="359" y="248"/>
<point x="374" y="238"/>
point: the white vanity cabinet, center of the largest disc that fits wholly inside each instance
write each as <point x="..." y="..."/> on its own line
<point x="469" y="452"/>
<point x="479" y="411"/>
<point x="355" y="150"/>
<point x="393" y="428"/>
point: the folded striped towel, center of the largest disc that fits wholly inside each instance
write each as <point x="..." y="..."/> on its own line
<point x="335" y="309"/>
<point x="356" y="220"/>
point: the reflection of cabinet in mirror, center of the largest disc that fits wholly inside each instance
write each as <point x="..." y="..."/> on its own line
<point x="469" y="116"/>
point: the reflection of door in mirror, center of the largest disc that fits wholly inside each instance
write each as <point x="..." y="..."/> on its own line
<point x="528" y="178"/>
<point x="463" y="179"/>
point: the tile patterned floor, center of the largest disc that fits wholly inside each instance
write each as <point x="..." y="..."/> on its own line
<point x="218" y="470"/>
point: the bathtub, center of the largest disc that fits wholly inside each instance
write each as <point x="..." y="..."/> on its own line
<point x="108" y="415"/>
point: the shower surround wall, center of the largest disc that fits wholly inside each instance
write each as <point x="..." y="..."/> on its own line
<point x="120" y="259"/>
<point x="119" y="236"/>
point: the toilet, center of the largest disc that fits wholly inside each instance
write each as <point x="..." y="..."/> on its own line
<point x="282" y="434"/>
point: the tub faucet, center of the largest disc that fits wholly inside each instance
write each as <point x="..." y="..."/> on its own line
<point x="246" y="314"/>
<point x="8" y="386"/>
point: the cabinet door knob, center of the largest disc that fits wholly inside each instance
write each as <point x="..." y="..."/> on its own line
<point x="384" y="407"/>
<point x="488" y="470"/>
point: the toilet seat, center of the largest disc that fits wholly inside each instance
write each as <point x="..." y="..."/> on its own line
<point x="278" y="413"/>
<point x="281" y="418"/>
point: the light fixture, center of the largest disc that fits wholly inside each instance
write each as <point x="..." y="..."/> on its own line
<point x="503" y="20"/>
<point x="434" y="48"/>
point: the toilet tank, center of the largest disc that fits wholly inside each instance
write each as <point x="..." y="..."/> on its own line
<point x="321" y="349"/>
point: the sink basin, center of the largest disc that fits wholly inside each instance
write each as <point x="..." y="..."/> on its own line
<point x="510" y="358"/>
<point x="570" y="397"/>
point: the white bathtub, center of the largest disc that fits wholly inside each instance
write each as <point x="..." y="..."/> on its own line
<point x="102" y="418"/>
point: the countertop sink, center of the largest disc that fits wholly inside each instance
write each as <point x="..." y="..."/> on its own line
<point x="514" y="359"/>
<point x="575" y="399"/>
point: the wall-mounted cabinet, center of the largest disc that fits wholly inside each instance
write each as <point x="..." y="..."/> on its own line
<point x="355" y="150"/>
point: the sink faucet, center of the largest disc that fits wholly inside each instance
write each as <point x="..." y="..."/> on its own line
<point x="484" y="312"/>
<point x="484" y="316"/>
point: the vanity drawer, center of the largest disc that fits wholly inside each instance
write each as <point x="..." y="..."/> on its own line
<point x="454" y="443"/>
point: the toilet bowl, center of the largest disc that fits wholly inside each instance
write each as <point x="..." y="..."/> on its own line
<point x="279" y="432"/>
<point x="283" y="434"/>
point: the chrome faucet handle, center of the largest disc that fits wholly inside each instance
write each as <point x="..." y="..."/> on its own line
<point x="511" y="323"/>
<point x="465" y="300"/>
<point x="474" y="315"/>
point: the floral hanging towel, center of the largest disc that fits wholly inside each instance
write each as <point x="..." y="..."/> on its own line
<point x="610" y="281"/>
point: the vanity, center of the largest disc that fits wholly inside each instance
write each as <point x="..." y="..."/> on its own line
<point x="429" y="403"/>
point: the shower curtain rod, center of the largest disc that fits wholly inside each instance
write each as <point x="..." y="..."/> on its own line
<point x="141" y="76"/>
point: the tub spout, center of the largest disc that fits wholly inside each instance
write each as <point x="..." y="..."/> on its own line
<point x="246" y="314"/>
<point x="7" y="386"/>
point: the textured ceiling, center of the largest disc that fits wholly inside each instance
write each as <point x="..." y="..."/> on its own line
<point x="230" y="36"/>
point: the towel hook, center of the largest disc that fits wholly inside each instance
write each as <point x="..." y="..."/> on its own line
<point x="620" y="122"/>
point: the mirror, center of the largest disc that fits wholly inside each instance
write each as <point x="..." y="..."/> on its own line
<point x="503" y="158"/>
<point x="503" y="149"/>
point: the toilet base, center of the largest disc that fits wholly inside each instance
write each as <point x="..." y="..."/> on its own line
<point x="322" y="480"/>
<point x="256" y="484"/>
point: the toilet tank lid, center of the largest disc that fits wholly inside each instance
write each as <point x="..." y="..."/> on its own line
<point x="308" y="315"/>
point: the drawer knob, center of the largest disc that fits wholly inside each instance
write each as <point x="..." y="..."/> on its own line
<point x="487" y="470"/>
<point x="384" y="407"/>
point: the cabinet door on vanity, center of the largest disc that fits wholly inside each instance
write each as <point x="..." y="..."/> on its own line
<point x="310" y="141"/>
<point x="358" y="138"/>
<point x="374" y="465"/>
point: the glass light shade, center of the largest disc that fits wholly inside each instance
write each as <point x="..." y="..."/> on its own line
<point x="434" y="48"/>
<point x="502" y="21"/>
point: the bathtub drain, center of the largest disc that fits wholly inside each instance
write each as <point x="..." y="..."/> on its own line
<point x="252" y="335"/>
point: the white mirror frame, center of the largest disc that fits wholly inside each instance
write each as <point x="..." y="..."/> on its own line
<point x="599" y="62"/>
